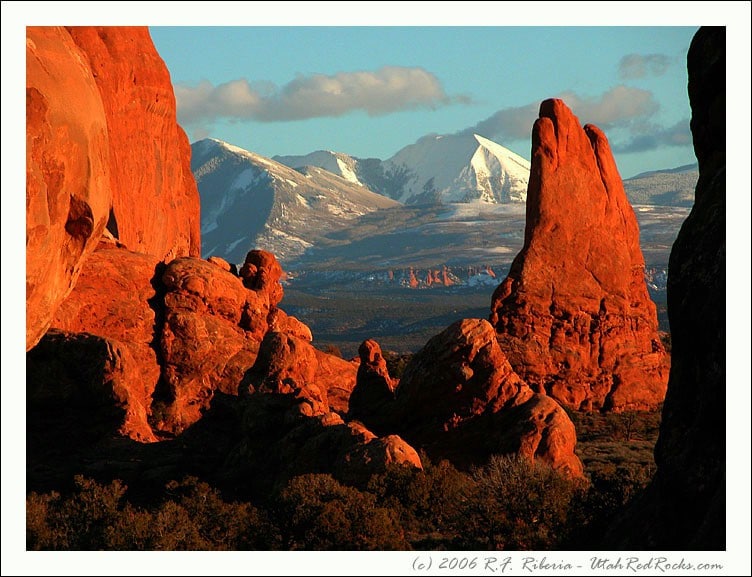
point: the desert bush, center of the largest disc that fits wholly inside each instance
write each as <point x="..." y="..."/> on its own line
<point x="192" y="516"/>
<point x="517" y="504"/>
<point x="427" y="502"/>
<point x="78" y="523"/>
<point x="315" y="512"/>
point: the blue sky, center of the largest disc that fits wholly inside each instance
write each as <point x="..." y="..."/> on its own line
<point x="369" y="91"/>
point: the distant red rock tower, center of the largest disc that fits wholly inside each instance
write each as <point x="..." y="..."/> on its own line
<point x="445" y="278"/>
<point x="413" y="280"/>
<point x="574" y="315"/>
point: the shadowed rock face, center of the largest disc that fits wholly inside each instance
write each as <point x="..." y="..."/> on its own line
<point x="155" y="201"/>
<point x="67" y="171"/>
<point x="574" y="316"/>
<point x="114" y="299"/>
<point x="373" y="394"/>
<point x="685" y="505"/>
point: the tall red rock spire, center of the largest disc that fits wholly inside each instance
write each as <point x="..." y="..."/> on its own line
<point x="574" y="315"/>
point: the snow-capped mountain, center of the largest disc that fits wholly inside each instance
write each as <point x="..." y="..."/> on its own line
<point x="337" y="163"/>
<point x="459" y="167"/>
<point x="250" y="201"/>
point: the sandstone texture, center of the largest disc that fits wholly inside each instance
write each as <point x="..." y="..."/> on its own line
<point x="190" y="328"/>
<point x="289" y="365"/>
<point x="276" y="441"/>
<point x="574" y="316"/>
<point x="155" y="201"/>
<point x="67" y="171"/>
<point x="209" y="338"/>
<point x="460" y="373"/>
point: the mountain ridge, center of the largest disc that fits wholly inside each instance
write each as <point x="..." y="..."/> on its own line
<point x="250" y="200"/>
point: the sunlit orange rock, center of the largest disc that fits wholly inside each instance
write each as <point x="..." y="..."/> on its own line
<point x="574" y="316"/>
<point x="67" y="171"/>
<point x="155" y="201"/>
<point x="460" y="398"/>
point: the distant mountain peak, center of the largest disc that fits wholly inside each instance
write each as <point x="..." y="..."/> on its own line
<point x="250" y="201"/>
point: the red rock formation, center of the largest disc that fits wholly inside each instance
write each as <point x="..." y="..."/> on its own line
<point x="459" y="374"/>
<point x="574" y="316"/>
<point x="413" y="280"/>
<point x="94" y="381"/>
<point x="287" y="365"/>
<point x="67" y="172"/>
<point x="338" y="376"/>
<point x="445" y="278"/>
<point x="373" y="394"/>
<point x="459" y="397"/>
<point x="223" y="264"/>
<point x="279" y="441"/>
<point x="292" y="366"/>
<point x="155" y="201"/>
<point x="205" y="325"/>
<point x="112" y="300"/>
<point x="207" y="342"/>
<point x="536" y="427"/>
<point x="374" y="456"/>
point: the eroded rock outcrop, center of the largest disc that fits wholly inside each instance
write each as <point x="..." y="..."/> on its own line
<point x="574" y="316"/>
<point x="91" y="380"/>
<point x="459" y="374"/>
<point x="684" y="508"/>
<point x="209" y="338"/>
<point x="459" y="398"/>
<point x="276" y="441"/>
<point x="289" y="365"/>
<point x="115" y="300"/>
<point x="373" y="394"/>
<point x="155" y="201"/>
<point x="67" y="171"/>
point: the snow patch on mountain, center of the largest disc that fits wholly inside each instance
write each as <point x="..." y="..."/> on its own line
<point x="459" y="168"/>
<point x="337" y="163"/>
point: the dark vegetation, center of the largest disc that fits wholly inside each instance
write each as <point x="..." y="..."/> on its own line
<point x="508" y="504"/>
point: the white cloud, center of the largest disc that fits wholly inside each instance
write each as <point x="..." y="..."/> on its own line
<point x="618" y="107"/>
<point x="389" y="89"/>
<point x="651" y="136"/>
<point x="641" y="65"/>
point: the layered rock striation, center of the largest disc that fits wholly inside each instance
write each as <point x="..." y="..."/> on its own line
<point x="574" y="316"/>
